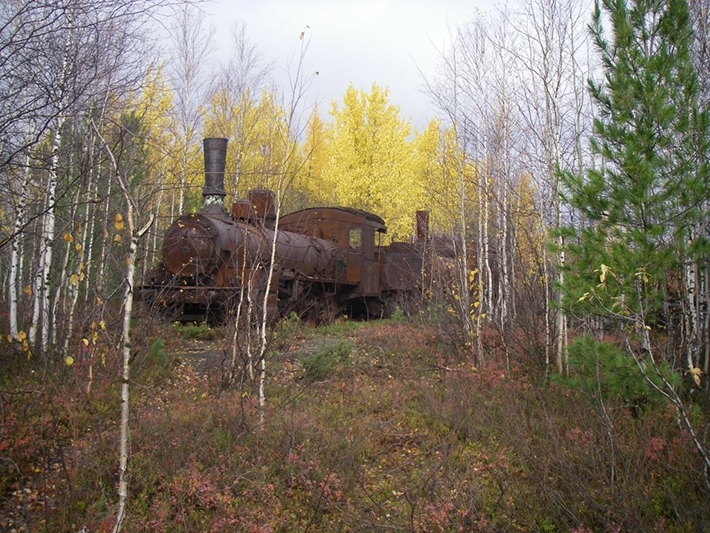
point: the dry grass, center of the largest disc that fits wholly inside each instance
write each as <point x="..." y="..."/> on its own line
<point x="395" y="434"/>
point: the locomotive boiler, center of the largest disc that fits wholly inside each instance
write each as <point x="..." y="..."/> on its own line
<point x="317" y="262"/>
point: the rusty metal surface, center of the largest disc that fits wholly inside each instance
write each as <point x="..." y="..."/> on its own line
<point x="263" y="205"/>
<point x="422" y="225"/>
<point x="200" y="245"/>
<point x="324" y="258"/>
<point x="215" y="154"/>
<point x="351" y="230"/>
<point x="189" y="247"/>
<point x="403" y="267"/>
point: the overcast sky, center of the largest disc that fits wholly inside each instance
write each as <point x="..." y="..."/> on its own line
<point x="359" y="42"/>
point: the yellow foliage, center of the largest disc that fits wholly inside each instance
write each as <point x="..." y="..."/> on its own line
<point x="371" y="163"/>
<point x="261" y="151"/>
<point x="308" y="186"/>
<point x="472" y="275"/>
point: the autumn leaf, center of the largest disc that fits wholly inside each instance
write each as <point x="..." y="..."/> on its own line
<point x="118" y="222"/>
<point x="604" y="273"/>
<point x="69" y="360"/>
<point x="472" y="275"/>
<point x="68" y="238"/>
<point x="696" y="373"/>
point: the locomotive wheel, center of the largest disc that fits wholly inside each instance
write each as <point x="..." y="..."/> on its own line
<point x="320" y="310"/>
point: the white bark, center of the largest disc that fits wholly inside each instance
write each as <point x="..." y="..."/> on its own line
<point x="16" y="254"/>
<point x="191" y="48"/>
<point x="40" y="314"/>
<point x="48" y="238"/>
<point x="135" y="236"/>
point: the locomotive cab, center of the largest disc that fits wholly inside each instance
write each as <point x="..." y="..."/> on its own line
<point x="354" y="232"/>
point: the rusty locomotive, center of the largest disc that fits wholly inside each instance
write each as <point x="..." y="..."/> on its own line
<point x="326" y="261"/>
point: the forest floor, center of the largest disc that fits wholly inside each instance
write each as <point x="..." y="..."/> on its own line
<point x="366" y="427"/>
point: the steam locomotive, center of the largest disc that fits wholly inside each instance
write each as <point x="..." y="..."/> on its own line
<point x="326" y="260"/>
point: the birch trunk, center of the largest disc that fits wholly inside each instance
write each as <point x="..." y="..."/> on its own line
<point x="103" y="250"/>
<point x="690" y="313"/>
<point x="265" y="312"/>
<point x="48" y="238"/>
<point x="482" y="262"/>
<point x="16" y="255"/>
<point x="135" y="236"/>
<point x="40" y="315"/>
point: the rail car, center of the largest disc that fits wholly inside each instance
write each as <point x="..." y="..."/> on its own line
<point x="317" y="262"/>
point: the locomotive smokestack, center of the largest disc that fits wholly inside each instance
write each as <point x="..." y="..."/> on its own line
<point x="215" y="162"/>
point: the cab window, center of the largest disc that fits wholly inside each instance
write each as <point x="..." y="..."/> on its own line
<point x="355" y="238"/>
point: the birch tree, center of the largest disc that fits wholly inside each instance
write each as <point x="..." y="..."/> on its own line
<point x="370" y="157"/>
<point x="120" y="174"/>
<point x="58" y="59"/>
<point x="284" y="164"/>
<point x="239" y="109"/>
<point x="552" y="55"/>
<point x="192" y="45"/>
<point x="451" y="90"/>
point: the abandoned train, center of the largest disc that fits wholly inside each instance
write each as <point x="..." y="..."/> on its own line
<point x="326" y="260"/>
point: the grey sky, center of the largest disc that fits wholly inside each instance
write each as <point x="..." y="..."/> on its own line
<point x="363" y="42"/>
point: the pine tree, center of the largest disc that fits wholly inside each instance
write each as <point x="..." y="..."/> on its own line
<point x="646" y="243"/>
<point x="644" y="206"/>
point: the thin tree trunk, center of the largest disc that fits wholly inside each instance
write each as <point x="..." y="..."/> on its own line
<point x="16" y="256"/>
<point x="135" y="237"/>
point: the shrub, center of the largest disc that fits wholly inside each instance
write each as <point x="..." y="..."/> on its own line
<point x="319" y="366"/>
<point x="603" y="368"/>
<point x="201" y="331"/>
<point x="154" y="363"/>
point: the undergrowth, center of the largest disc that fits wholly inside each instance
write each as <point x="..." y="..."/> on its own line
<point x="368" y="427"/>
